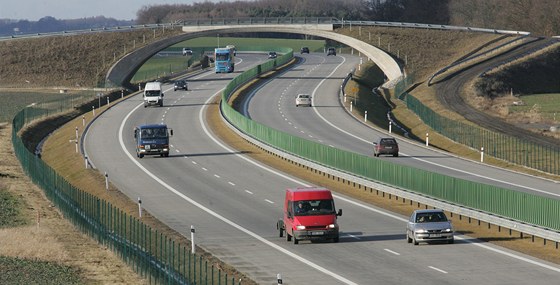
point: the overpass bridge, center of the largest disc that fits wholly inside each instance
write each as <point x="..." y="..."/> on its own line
<point x="122" y="72"/>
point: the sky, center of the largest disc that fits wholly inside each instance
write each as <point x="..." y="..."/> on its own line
<point x="34" y="10"/>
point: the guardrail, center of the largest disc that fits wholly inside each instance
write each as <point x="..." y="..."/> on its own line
<point x="92" y="30"/>
<point x="525" y="212"/>
<point x="429" y="26"/>
<point x="267" y="20"/>
<point x="527" y="54"/>
<point x="477" y="56"/>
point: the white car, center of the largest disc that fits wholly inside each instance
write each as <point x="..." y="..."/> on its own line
<point x="303" y="99"/>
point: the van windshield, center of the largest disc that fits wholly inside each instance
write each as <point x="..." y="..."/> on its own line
<point x="313" y="207"/>
<point x="152" y="92"/>
<point x="158" y="133"/>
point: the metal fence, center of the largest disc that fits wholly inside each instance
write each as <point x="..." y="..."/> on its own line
<point x="502" y="146"/>
<point x="518" y="206"/>
<point x="152" y="254"/>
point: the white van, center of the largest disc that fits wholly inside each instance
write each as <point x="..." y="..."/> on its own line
<point x="153" y="95"/>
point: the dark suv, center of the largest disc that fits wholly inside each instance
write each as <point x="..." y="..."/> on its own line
<point x="331" y="51"/>
<point x="386" y="146"/>
<point x="180" y="84"/>
<point x="304" y="50"/>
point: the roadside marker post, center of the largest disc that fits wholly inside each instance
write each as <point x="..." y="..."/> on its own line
<point x="193" y="248"/>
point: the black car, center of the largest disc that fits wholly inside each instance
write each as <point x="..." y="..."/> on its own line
<point x="331" y="51"/>
<point x="180" y="84"/>
<point x="387" y="146"/>
<point x="304" y="50"/>
<point x="272" y="54"/>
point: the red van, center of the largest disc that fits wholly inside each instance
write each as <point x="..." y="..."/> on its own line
<point x="309" y="214"/>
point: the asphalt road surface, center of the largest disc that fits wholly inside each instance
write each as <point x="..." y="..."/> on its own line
<point x="234" y="202"/>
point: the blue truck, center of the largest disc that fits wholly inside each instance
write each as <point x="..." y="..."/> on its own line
<point x="224" y="59"/>
<point x="152" y="139"/>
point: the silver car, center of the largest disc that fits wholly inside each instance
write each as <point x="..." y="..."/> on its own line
<point x="429" y="225"/>
<point x="303" y="99"/>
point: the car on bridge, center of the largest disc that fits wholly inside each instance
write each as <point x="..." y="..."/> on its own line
<point x="187" y="51"/>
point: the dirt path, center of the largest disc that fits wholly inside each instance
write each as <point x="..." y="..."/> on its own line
<point x="450" y="93"/>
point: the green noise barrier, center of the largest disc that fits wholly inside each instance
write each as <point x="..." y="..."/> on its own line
<point x="523" y="207"/>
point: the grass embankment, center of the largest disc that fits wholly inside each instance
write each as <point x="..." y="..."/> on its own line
<point x="61" y="156"/>
<point x="362" y="86"/>
<point x="477" y="229"/>
<point x="38" y="246"/>
<point x="71" y="62"/>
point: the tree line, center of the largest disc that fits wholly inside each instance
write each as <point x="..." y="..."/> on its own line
<point x="50" y="24"/>
<point x="538" y="17"/>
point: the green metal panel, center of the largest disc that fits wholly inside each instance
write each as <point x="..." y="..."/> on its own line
<point x="523" y="207"/>
<point x="511" y="149"/>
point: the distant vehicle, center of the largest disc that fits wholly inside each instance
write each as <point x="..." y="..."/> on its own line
<point x="153" y="94"/>
<point x="387" y="146"/>
<point x="428" y="225"/>
<point x="304" y="50"/>
<point x="152" y="139"/>
<point x="303" y="99"/>
<point x="272" y="54"/>
<point x="234" y="49"/>
<point x="331" y="51"/>
<point x="224" y="59"/>
<point x="180" y="84"/>
<point x="187" y="51"/>
<point x="309" y="214"/>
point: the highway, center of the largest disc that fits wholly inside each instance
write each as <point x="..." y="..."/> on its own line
<point x="234" y="202"/>
<point x="330" y="124"/>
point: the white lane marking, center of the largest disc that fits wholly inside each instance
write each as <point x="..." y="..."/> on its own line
<point x="216" y="175"/>
<point x="437" y="269"/>
<point x="231" y="183"/>
<point x="393" y="252"/>
<point x="194" y="162"/>
<point x="416" y="158"/>
<point x="204" y="168"/>
<point x="216" y="215"/>
<point x="269" y="201"/>
<point x="496" y="250"/>
<point x="353" y="236"/>
<point x="466" y="240"/>
<point x="263" y="240"/>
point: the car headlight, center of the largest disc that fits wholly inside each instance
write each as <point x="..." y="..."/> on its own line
<point x="331" y="226"/>
<point x="421" y="231"/>
<point x="448" y="230"/>
<point x="300" y="227"/>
